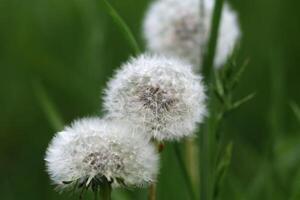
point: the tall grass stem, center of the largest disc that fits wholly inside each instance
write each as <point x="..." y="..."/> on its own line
<point x="209" y="54"/>
<point x="53" y="116"/>
<point x="122" y="25"/>
<point x="207" y="140"/>
<point x="184" y="172"/>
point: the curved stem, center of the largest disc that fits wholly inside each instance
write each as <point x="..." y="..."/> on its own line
<point x="123" y="26"/>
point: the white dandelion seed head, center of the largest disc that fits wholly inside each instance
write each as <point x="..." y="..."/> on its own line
<point x="93" y="148"/>
<point x="176" y="27"/>
<point x="160" y="95"/>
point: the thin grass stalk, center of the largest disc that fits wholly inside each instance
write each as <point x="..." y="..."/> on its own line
<point x="207" y="138"/>
<point x="51" y="113"/>
<point x="202" y="25"/>
<point x="276" y="114"/>
<point x="209" y="55"/>
<point x="122" y="26"/>
<point x="184" y="171"/>
<point x="208" y="145"/>
<point x="192" y="160"/>
<point x="277" y="94"/>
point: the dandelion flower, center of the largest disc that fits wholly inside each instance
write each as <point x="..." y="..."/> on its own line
<point x="92" y="149"/>
<point x="160" y="95"/>
<point x="180" y="28"/>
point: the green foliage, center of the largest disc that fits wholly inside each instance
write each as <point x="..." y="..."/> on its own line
<point x="73" y="47"/>
<point x="221" y="103"/>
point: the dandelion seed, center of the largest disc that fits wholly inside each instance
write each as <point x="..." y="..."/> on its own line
<point x="178" y="28"/>
<point x="92" y="149"/>
<point x="161" y="96"/>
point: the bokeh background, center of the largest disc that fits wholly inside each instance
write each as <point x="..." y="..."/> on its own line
<point x="70" y="49"/>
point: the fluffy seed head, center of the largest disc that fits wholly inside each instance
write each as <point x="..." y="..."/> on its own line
<point x="160" y="95"/>
<point x="180" y="28"/>
<point x="92" y="149"/>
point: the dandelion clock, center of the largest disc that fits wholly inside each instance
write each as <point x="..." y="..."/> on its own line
<point x="92" y="152"/>
<point x="160" y="95"/>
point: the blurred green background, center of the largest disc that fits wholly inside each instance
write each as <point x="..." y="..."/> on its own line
<point x="72" y="47"/>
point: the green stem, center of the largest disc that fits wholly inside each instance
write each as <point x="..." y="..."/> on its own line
<point x="123" y="26"/>
<point x="105" y="190"/>
<point x="213" y="39"/>
<point x="95" y="195"/>
<point x="184" y="172"/>
<point x="208" y="134"/>
<point x="48" y="106"/>
<point x="207" y="157"/>
<point x="276" y="114"/>
<point x="152" y="192"/>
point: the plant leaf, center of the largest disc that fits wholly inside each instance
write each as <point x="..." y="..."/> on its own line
<point x="222" y="167"/>
<point x="242" y="101"/>
<point x="219" y="86"/>
<point x="237" y="76"/>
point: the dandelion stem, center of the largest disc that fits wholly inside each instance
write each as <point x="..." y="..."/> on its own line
<point x="184" y="172"/>
<point x="152" y="188"/>
<point x="105" y="190"/>
<point x="152" y="192"/>
<point x="213" y="39"/>
<point x="192" y="160"/>
<point x="95" y="195"/>
<point x="123" y="26"/>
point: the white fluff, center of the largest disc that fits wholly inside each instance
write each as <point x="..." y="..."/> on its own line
<point x="177" y="27"/>
<point x="160" y="95"/>
<point x="93" y="147"/>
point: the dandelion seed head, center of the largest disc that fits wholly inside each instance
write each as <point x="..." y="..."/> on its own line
<point x="160" y="95"/>
<point x="179" y="28"/>
<point x="92" y="148"/>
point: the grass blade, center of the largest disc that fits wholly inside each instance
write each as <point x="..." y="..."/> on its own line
<point x="122" y="25"/>
<point x="208" y="136"/>
<point x="184" y="172"/>
<point x="213" y="39"/>
<point x="242" y="101"/>
<point x="223" y="168"/>
<point x="48" y="106"/>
